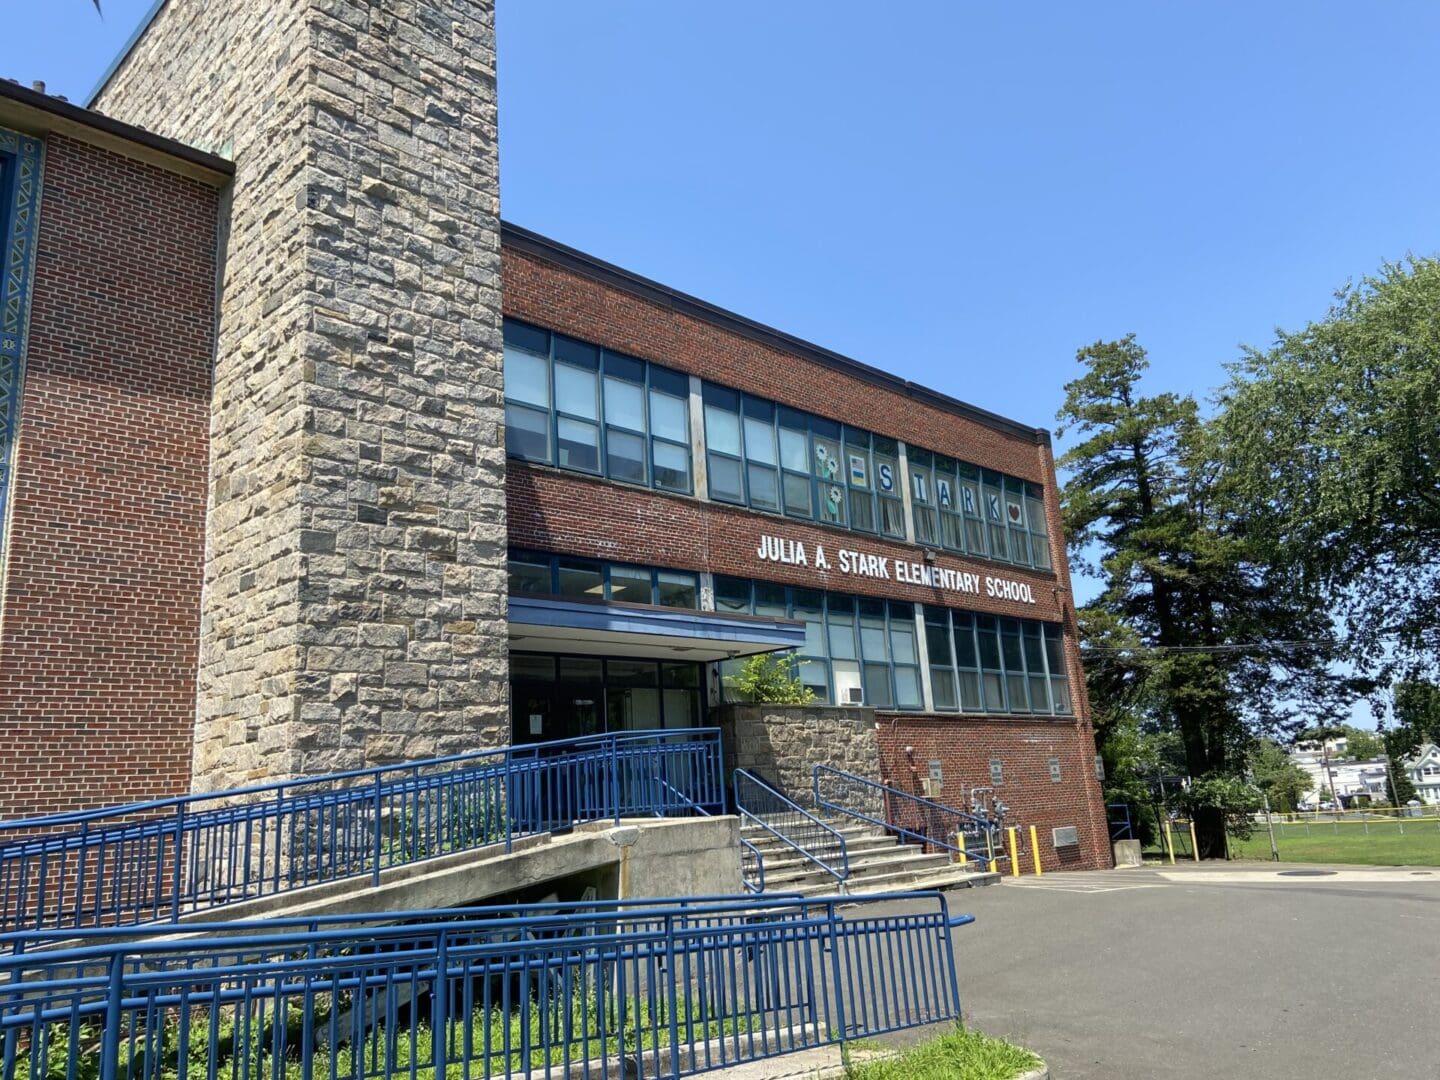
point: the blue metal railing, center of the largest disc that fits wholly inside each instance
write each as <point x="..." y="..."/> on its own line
<point x="906" y="815"/>
<point x="752" y="867"/>
<point x="761" y="805"/>
<point x="1118" y="816"/>
<point x="593" y="989"/>
<point x="165" y="859"/>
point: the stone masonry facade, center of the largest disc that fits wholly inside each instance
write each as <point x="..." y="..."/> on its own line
<point x="782" y="744"/>
<point x="354" y="590"/>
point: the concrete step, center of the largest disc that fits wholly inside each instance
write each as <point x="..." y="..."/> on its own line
<point x="952" y="878"/>
<point x="855" y="848"/>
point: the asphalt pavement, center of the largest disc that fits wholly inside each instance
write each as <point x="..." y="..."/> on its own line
<point x="1234" y="971"/>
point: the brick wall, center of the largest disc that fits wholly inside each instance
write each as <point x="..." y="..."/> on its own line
<point x="558" y="511"/>
<point x="101" y="617"/>
<point x="965" y="746"/>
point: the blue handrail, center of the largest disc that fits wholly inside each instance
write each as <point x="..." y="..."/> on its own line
<point x="752" y="867"/>
<point x="672" y="988"/>
<point x="760" y="804"/>
<point x="168" y="858"/>
<point x="907" y="815"/>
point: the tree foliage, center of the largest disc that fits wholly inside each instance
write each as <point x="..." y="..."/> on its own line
<point x="1182" y="633"/>
<point x="1330" y="448"/>
<point x="1276" y="774"/>
<point x="770" y="679"/>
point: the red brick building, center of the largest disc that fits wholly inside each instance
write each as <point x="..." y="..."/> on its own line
<point x="682" y="487"/>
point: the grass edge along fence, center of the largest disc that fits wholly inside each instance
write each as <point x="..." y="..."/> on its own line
<point x="164" y="859"/>
<point x="671" y="988"/>
<point x="1376" y="836"/>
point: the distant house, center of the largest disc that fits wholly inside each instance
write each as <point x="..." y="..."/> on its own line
<point x="1424" y="770"/>
<point x="1345" y="779"/>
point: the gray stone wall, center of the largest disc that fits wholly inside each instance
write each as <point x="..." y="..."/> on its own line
<point x="783" y="744"/>
<point x="354" y="604"/>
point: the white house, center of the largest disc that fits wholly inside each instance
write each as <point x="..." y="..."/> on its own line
<point x="1424" y="770"/>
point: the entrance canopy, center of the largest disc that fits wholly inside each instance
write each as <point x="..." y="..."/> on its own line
<point x="610" y="628"/>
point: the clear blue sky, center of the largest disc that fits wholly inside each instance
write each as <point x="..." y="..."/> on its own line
<point x="961" y="192"/>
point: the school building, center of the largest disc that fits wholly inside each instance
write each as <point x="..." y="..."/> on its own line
<point x="311" y="462"/>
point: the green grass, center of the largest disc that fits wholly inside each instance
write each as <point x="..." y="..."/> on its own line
<point x="960" y="1055"/>
<point x="1348" y="842"/>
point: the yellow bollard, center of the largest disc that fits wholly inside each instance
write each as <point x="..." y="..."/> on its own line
<point x="1194" y="847"/>
<point x="990" y="852"/>
<point x="1035" y="851"/>
<point x="960" y="856"/>
<point x="1169" y="843"/>
<point x="1014" y="853"/>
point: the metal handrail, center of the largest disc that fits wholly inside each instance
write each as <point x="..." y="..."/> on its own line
<point x="908" y="815"/>
<point x="752" y="867"/>
<point x="669" y="988"/>
<point x="159" y="860"/>
<point x="760" y="804"/>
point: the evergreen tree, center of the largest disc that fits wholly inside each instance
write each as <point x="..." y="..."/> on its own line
<point x="1188" y="629"/>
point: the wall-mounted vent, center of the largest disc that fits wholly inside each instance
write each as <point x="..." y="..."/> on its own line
<point x="1067" y="836"/>
<point x="855" y="695"/>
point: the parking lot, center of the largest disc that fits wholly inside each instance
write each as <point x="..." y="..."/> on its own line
<point x="1245" y="970"/>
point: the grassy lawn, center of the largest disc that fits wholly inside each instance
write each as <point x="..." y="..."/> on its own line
<point x="1347" y="843"/>
<point x="960" y="1055"/>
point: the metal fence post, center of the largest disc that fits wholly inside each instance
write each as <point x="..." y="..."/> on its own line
<point x="375" y="844"/>
<point x="110" y="1037"/>
<point x="175" y="873"/>
<point x="839" y="995"/>
<point x="615" y="775"/>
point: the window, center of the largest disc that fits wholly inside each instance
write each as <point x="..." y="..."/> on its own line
<point x="980" y="663"/>
<point x="591" y="410"/>
<point x="851" y="643"/>
<point x="923" y="497"/>
<point x="537" y="573"/>
<point x="637" y="694"/>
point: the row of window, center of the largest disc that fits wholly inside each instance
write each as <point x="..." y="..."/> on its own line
<point x="984" y="663"/>
<point x="858" y="647"/>
<point x="585" y="408"/>
<point x="537" y="573"/>
<point x="975" y="511"/>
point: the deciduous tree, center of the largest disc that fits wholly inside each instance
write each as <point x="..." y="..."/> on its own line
<point x="1329" y="442"/>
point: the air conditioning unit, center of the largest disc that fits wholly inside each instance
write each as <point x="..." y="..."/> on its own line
<point x="1066" y="836"/>
<point x="854" y="695"/>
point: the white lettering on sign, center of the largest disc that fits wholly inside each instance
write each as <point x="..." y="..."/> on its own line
<point x="858" y="563"/>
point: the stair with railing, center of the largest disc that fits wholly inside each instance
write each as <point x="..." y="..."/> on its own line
<point x="787" y="848"/>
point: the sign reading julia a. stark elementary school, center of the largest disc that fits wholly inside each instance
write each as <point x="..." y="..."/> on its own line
<point x="857" y="563"/>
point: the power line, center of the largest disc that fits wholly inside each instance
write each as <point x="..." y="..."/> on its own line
<point x="1241" y="647"/>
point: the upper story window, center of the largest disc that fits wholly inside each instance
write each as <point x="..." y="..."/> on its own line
<point x="977" y="512"/>
<point x="585" y="408"/>
<point x="595" y="411"/>
<point x="771" y="457"/>
<point x="19" y="193"/>
<point x="542" y="574"/>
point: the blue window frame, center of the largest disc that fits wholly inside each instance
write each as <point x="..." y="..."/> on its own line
<point x="543" y="574"/>
<point x="987" y="664"/>
<point x="591" y="410"/>
<point x="19" y="192"/>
